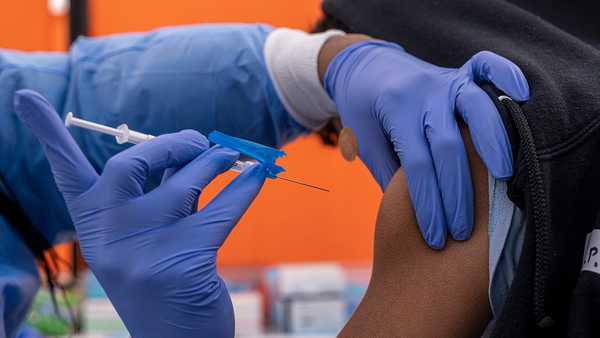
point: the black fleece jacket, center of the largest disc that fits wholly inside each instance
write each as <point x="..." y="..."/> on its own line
<point x="555" y="135"/>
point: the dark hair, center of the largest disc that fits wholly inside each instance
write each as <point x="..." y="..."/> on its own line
<point x="327" y="22"/>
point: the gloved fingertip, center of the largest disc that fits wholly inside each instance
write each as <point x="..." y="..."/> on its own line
<point x="503" y="73"/>
<point x="521" y="91"/>
<point x="463" y="233"/>
<point x="435" y="239"/>
<point x="25" y="100"/>
<point x="27" y="96"/>
<point x="194" y="136"/>
<point x="25" y="93"/>
<point x="436" y="243"/>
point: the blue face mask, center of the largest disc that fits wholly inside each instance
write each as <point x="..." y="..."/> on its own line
<point x="506" y="231"/>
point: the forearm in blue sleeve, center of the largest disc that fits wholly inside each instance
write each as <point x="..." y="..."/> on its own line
<point x="205" y="77"/>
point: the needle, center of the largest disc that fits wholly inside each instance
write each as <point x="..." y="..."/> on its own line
<point x="304" y="184"/>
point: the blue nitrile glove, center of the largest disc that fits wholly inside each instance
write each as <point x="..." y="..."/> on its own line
<point x="402" y="110"/>
<point x="154" y="255"/>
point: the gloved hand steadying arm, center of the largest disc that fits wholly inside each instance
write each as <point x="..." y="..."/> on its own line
<point x="402" y="110"/>
<point x="154" y="255"/>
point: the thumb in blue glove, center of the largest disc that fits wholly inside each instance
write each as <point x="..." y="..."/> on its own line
<point x="154" y="255"/>
<point x="402" y="110"/>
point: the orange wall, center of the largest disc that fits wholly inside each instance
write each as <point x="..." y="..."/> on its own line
<point x="293" y="223"/>
<point x="287" y="222"/>
<point x="113" y="16"/>
<point x="27" y="25"/>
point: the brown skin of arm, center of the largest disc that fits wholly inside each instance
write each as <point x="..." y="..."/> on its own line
<point x="333" y="46"/>
<point x="418" y="292"/>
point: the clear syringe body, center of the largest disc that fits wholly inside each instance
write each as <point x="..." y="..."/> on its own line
<point x="124" y="135"/>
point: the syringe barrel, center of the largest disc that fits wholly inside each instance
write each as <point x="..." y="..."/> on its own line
<point x="131" y="136"/>
<point x="123" y="135"/>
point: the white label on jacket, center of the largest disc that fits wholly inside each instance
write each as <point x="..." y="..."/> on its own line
<point x="591" y="253"/>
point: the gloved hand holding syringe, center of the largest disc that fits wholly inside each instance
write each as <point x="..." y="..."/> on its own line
<point x="124" y="135"/>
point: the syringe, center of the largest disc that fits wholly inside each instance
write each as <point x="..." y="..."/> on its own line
<point x="123" y="135"/>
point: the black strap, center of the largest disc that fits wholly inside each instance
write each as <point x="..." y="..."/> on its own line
<point x="78" y="19"/>
<point x="541" y="218"/>
<point x="16" y="217"/>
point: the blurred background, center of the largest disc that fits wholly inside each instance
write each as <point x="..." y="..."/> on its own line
<point x="291" y="237"/>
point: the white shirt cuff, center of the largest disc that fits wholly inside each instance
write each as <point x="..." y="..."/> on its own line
<point x="292" y="62"/>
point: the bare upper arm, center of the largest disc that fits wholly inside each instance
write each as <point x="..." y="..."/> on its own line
<point x="415" y="291"/>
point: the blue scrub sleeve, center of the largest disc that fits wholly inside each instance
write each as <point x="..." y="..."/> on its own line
<point x="205" y="77"/>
